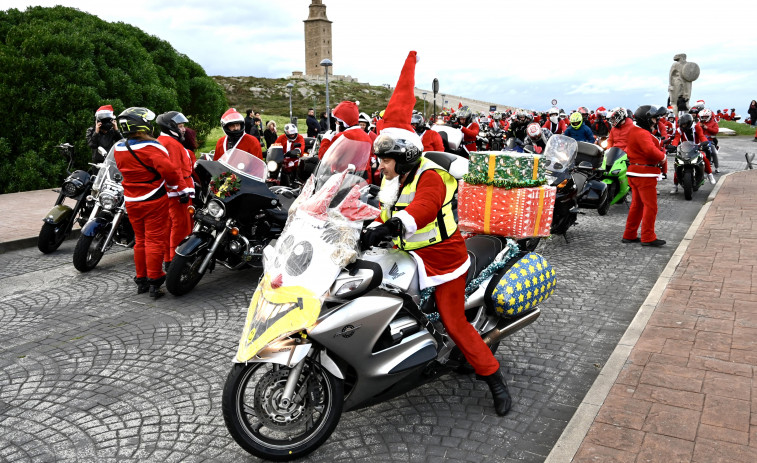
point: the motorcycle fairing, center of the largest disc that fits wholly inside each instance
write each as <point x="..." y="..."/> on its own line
<point x="274" y="313"/>
<point x="58" y="214"/>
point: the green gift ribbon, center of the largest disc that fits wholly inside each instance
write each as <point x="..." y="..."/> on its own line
<point x="507" y="184"/>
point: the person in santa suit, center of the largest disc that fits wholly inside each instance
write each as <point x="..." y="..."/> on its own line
<point x="621" y="124"/>
<point x="147" y="173"/>
<point x="645" y="156"/>
<point x="554" y="123"/>
<point x="171" y="137"/>
<point x="431" y="139"/>
<point x="710" y="128"/>
<point x="422" y="223"/>
<point x="232" y="123"/>
<point x="469" y="126"/>
<point x="290" y="136"/>
<point x="347" y="118"/>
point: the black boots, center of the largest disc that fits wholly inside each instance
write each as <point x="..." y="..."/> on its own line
<point x="502" y="399"/>
<point x="142" y="285"/>
<point x="155" y="291"/>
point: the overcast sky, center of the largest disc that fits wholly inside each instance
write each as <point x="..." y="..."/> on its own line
<point x="519" y="53"/>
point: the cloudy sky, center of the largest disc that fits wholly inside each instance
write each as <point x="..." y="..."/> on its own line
<point x="519" y="53"/>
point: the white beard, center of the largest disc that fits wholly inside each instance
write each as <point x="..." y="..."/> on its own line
<point x="389" y="192"/>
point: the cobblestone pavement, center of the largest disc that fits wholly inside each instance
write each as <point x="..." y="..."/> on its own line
<point x="89" y="371"/>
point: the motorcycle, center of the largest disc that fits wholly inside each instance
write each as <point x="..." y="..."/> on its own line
<point x="239" y="216"/>
<point x="59" y="222"/>
<point x="689" y="166"/>
<point x="331" y="330"/>
<point x="592" y="192"/>
<point x="560" y="155"/>
<point x="614" y="175"/>
<point x="493" y="139"/>
<point x="108" y="223"/>
<point x="283" y="167"/>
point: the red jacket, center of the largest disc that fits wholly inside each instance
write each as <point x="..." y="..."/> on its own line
<point x="182" y="163"/>
<point x="556" y="129"/>
<point x="432" y="141"/>
<point x="469" y="135"/>
<point x="619" y="135"/>
<point x="145" y="180"/>
<point x="710" y="128"/>
<point x="686" y="135"/>
<point x="286" y="144"/>
<point x="644" y="153"/>
<point x="247" y="143"/>
<point x="353" y="133"/>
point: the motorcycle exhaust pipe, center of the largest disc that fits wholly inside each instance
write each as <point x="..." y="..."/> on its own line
<point x="497" y="333"/>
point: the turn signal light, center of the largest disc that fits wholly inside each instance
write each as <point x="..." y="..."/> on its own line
<point x="191" y="210"/>
<point x="234" y="231"/>
<point x="563" y="183"/>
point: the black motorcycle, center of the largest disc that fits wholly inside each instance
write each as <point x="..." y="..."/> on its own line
<point x="240" y="216"/>
<point x="59" y="222"/>
<point x="108" y="222"/>
<point x="591" y="190"/>
<point x="495" y="138"/>
<point x="689" y="166"/>
<point x="560" y="155"/>
<point x="284" y="168"/>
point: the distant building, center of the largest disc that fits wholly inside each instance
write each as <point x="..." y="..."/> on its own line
<point x="317" y="38"/>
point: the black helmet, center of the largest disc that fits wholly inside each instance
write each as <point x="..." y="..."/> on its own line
<point x="418" y="123"/>
<point x="645" y="113"/>
<point x="404" y="152"/>
<point x="169" y="124"/>
<point x="686" y="121"/>
<point x="134" y="120"/>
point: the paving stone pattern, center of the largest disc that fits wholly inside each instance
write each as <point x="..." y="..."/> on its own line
<point x="90" y="371"/>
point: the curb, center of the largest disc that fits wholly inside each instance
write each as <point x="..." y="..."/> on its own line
<point x="570" y="440"/>
<point x="30" y="242"/>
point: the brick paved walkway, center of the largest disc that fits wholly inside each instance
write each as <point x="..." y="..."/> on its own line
<point x="688" y="390"/>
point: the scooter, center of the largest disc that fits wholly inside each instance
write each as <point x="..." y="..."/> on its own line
<point x="614" y="174"/>
<point x="330" y="329"/>
<point x="689" y="166"/>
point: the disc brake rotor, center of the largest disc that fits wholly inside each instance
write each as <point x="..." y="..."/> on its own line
<point x="268" y="394"/>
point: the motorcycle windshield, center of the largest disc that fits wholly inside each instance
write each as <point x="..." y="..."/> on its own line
<point x="560" y="153"/>
<point x="688" y="151"/>
<point x="320" y="238"/>
<point x="108" y="170"/>
<point x="613" y="155"/>
<point x="244" y="163"/>
<point x="341" y="155"/>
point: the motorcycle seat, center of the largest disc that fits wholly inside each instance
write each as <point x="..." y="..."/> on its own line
<point x="482" y="249"/>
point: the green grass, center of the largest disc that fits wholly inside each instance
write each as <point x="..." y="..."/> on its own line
<point x="739" y="127"/>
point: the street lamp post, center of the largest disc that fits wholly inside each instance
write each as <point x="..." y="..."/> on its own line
<point x="444" y="102"/>
<point x="326" y="63"/>
<point x="424" y="104"/>
<point x="290" y="86"/>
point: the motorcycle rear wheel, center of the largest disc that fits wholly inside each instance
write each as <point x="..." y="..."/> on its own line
<point x="51" y="236"/>
<point x="87" y="253"/>
<point x="183" y="274"/>
<point x="604" y="208"/>
<point x="687" y="180"/>
<point x="263" y="427"/>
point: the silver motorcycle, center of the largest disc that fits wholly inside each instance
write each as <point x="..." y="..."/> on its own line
<point x="331" y="329"/>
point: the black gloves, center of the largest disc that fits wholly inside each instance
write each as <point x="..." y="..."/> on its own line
<point x="183" y="197"/>
<point x="375" y="235"/>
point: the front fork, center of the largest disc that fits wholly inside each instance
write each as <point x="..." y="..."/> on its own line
<point x="292" y="379"/>
<point x="116" y="221"/>
<point x="211" y="253"/>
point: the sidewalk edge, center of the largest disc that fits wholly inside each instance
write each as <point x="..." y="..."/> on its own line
<point x="30" y="242"/>
<point x="574" y="433"/>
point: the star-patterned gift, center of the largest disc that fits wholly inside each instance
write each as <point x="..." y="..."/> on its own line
<point x="525" y="285"/>
<point x="506" y="169"/>
<point x="515" y="213"/>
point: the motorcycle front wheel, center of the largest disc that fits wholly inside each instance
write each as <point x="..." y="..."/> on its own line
<point x="687" y="180"/>
<point x="88" y="251"/>
<point x="264" y="426"/>
<point x="51" y="236"/>
<point x="184" y="273"/>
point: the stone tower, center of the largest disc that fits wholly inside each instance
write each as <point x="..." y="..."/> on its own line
<point x="317" y="38"/>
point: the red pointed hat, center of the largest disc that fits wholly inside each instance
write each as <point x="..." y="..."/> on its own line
<point x="347" y="112"/>
<point x="105" y="111"/>
<point x="231" y="115"/>
<point x="399" y="111"/>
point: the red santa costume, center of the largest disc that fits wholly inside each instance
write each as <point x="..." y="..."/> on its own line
<point x="180" y="220"/>
<point x="432" y="141"/>
<point x="470" y="132"/>
<point x="245" y="142"/>
<point x="288" y="145"/>
<point x="147" y="173"/>
<point x="443" y="264"/>
<point x="619" y="135"/>
<point x="644" y="153"/>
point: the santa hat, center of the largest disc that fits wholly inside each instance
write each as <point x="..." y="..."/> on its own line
<point x="460" y="105"/>
<point x="700" y="103"/>
<point x="399" y="111"/>
<point x="104" y="112"/>
<point x="347" y="113"/>
<point x="231" y="115"/>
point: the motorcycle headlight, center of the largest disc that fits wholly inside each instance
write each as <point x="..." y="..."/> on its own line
<point x="216" y="209"/>
<point x="108" y="201"/>
<point x="72" y="188"/>
<point x="272" y="166"/>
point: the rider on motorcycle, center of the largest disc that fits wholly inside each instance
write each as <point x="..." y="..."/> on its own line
<point x="291" y="136"/>
<point x="411" y="216"/>
<point x="520" y="121"/>
<point x="431" y="139"/>
<point x="579" y="129"/>
<point x="347" y="118"/>
<point x="688" y="130"/>
<point x="601" y="127"/>
<point x="232" y="123"/>
<point x="710" y="128"/>
<point x="537" y="137"/>
<point x="469" y="126"/>
<point x="554" y="124"/>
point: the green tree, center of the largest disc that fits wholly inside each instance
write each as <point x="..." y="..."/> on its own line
<point x="60" y="64"/>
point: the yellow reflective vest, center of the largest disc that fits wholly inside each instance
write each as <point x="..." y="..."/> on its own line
<point x="440" y="228"/>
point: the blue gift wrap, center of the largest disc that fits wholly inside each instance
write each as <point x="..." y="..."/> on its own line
<point x="525" y="285"/>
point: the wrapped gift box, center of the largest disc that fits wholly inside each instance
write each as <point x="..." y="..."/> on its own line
<point x="514" y="213"/>
<point x="525" y="285"/>
<point x="506" y="169"/>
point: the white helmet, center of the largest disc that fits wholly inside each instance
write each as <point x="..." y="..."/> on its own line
<point x="290" y="130"/>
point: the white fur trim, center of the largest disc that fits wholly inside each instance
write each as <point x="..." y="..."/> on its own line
<point x="404" y="134"/>
<point x="408" y="222"/>
<point x="425" y="281"/>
